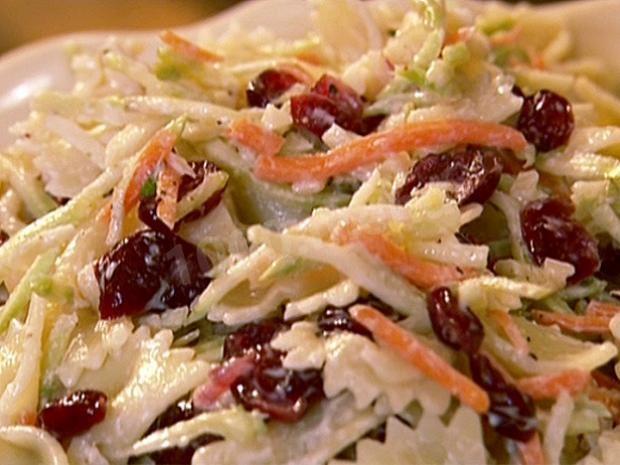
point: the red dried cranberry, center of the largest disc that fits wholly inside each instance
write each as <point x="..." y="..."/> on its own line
<point x="315" y="113"/>
<point x="268" y="86"/>
<point x="253" y="336"/>
<point x="74" y="414"/>
<point x="3" y="236"/>
<point x="610" y="263"/>
<point x="458" y="328"/>
<point x="150" y="271"/>
<point x="549" y="232"/>
<point x="183" y="410"/>
<point x="281" y="393"/>
<point x="200" y="169"/>
<point x="347" y="100"/>
<point x="546" y="120"/>
<point x="147" y="210"/>
<point x="370" y="124"/>
<point x="188" y="184"/>
<point x="512" y="413"/>
<point x="330" y="101"/>
<point x="516" y="90"/>
<point x="339" y="319"/>
<point x="475" y="171"/>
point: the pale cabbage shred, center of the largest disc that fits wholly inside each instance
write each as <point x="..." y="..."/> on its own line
<point x="83" y="144"/>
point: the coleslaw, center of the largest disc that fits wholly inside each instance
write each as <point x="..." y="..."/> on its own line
<point x="393" y="240"/>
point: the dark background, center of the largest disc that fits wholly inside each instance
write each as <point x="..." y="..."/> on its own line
<point x="23" y="21"/>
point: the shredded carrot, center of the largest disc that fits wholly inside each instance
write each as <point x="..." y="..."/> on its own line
<point x="423" y="273"/>
<point x="155" y="152"/>
<point x="531" y="451"/>
<point x="264" y="142"/>
<point x="550" y="386"/>
<point x="452" y="38"/>
<point x="27" y="419"/>
<point x="512" y="331"/>
<point x="462" y="35"/>
<point x="574" y="323"/>
<point x="220" y="380"/>
<point x="378" y="146"/>
<point x="311" y="58"/>
<point x="105" y="214"/>
<point x="537" y="60"/>
<point x="188" y="49"/>
<point x="420" y="356"/>
<point x="602" y="309"/>
<point x="168" y="191"/>
<point x="507" y="37"/>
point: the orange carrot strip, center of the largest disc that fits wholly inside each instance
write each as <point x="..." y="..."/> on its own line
<point x="550" y="386"/>
<point x="157" y="149"/>
<point x="507" y="37"/>
<point x="256" y="137"/>
<point x="602" y="309"/>
<point x="105" y="214"/>
<point x="188" y="49"/>
<point x="423" y="358"/>
<point x="452" y="38"/>
<point x="512" y="331"/>
<point x="168" y="191"/>
<point x="574" y="323"/>
<point x="378" y="146"/>
<point x="420" y="272"/>
<point x="532" y="451"/>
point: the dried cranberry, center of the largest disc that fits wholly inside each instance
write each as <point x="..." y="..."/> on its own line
<point x="268" y="86"/>
<point x="150" y="271"/>
<point x="347" y="100"/>
<point x="369" y="124"/>
<point x="610" y="263"/>
<point x="475" y="171"/>
<point x="281" y="393"/>
<point x="74" y="414"/>
<point x="200" y="169"/>
<point x="339" y="319"/>
<point x="516" y="90"/>
<point x="512" y="413"/>
<point x="549" y="232"/>
<point x="330" y="101"/>
<point x="316" y="113"/>
<point x="3" y="236"/>
<point x="188" y="184"/>
<point x="458" y="328"/>
<point x="546" y="120"/>
<point x="253" y="336"/>
<point x="182" y="410"/>
<point x="147" y="210"/>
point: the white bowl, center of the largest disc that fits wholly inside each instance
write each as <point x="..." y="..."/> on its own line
<point x="25" y="71"/>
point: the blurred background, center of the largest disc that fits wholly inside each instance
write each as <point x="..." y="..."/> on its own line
<point x="23" y="21"/>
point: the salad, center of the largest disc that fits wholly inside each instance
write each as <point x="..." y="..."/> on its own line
<point x="395" y="240"/>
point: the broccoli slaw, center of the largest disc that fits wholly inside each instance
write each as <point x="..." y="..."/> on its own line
<point x="392" y="240"/>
